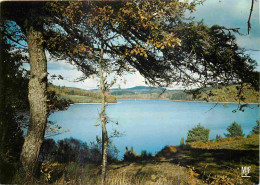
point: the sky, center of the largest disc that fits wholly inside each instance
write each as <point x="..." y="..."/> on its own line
<point x="228" y="13"/>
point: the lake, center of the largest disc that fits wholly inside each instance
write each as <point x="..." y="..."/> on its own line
<point x="152" y="124"/>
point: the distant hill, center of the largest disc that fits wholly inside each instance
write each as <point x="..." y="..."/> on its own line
<point x="77" y="95"/>
<point x="141" y="92"/>
<point x="142" y="88"/>
<point x="221" y="94"/>
<point x="230" y="93"/>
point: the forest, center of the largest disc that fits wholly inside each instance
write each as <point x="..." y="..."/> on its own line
<point x="106" y="41"/>
<point x="217" y="94"/>
<point x="80" y="96"/>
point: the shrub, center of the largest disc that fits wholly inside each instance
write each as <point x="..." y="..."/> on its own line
<point x="73" y="150"/>
<point x="130" y="155"/>
<point x="198" y="133"/>
<point x="235" y="130"/>
<point x="256" y="128"/>
<point x="145" y="155"/>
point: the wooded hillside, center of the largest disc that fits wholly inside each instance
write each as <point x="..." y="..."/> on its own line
<point x="80" y="95"/>
<point x="220" y="94"/>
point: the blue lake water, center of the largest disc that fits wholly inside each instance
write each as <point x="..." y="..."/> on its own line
<point x="152" y="124"/>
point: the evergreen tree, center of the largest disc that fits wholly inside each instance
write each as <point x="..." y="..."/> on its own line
<point x="235" y="130"/>
<point x="256" y="128"/>
<point x="198" y="133"/>
<point x="218" y="138"/>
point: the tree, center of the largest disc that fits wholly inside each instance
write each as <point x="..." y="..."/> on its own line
<point x="235" y="130"/>
<point x="11" y="102"/>
<point x="48" y="150"/>
<point x="34" y="33"/>
<point x="130" y="155"/>
<point x="14" y="106"/>
<point x="255" y="129"/>
<point x="198" y="133"/>
<point x="29" y="19"/>
<point x="105" y="23"/>
<point x="218" y="138"/>
<point x="154" y="38"/>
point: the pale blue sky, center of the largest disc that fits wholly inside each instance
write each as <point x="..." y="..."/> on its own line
<point x="229" y="13"/>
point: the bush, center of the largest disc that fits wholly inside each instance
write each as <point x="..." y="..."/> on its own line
<point x="145" y="156"/>
<point x="198" y="133"/>
<point x="130" y="155"/>
<point x="256" y="128"/>
<point x="73" y="150"/>
<point x="235" y="130"/>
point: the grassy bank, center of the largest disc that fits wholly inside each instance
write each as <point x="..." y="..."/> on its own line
<point x="197" y="163"/>
<point x="218" y="162"/>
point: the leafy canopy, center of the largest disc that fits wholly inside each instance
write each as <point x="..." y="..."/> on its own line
<point x="154" y="38"/>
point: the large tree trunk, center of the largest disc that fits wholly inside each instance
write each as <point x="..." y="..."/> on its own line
<point x="103" y="121"/>
<point x="38" y="100"/>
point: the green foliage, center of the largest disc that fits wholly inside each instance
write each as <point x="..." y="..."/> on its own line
<point x="78" y="95"/>
<point x="56" y="102"/>
<point x="218" y="94"/>
<point x="255" y="129"/>
<point x="235" y="130"/>
<point x="198" y="133"/>
<point x="145" y="155"/>
<point x="48" y="150"/>
<point x="215" y="94"/>
<point x="182" y="141"/>
<point x="130" y="155"/>
<point x="218" y="138"/>
<point x="12" y="79"/>
<point x="73" y="150"/>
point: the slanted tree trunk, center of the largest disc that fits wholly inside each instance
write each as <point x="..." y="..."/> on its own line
<point x="37" y="98"/>
<point x="103" y="120"/>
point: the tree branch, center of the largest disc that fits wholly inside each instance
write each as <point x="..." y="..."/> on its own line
<point x="249" y="18"/>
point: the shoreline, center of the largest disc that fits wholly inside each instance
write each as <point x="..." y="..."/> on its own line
<point x="193" y="101"/>
<point x="214" y="102"/>
<point x="171" y="100"/>
<point x="93" y="103"/>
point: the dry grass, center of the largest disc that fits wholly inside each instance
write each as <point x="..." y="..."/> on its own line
<point x="241" y="143"/>
<point x="216" y="163"/>
<point x="135" y="173"/>
<point x="219" y="162"/>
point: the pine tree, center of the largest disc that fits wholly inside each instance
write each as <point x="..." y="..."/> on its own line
<point x="198" y="133"/>
<point x="235" y="130"/>
<point x="256" y="128"/>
